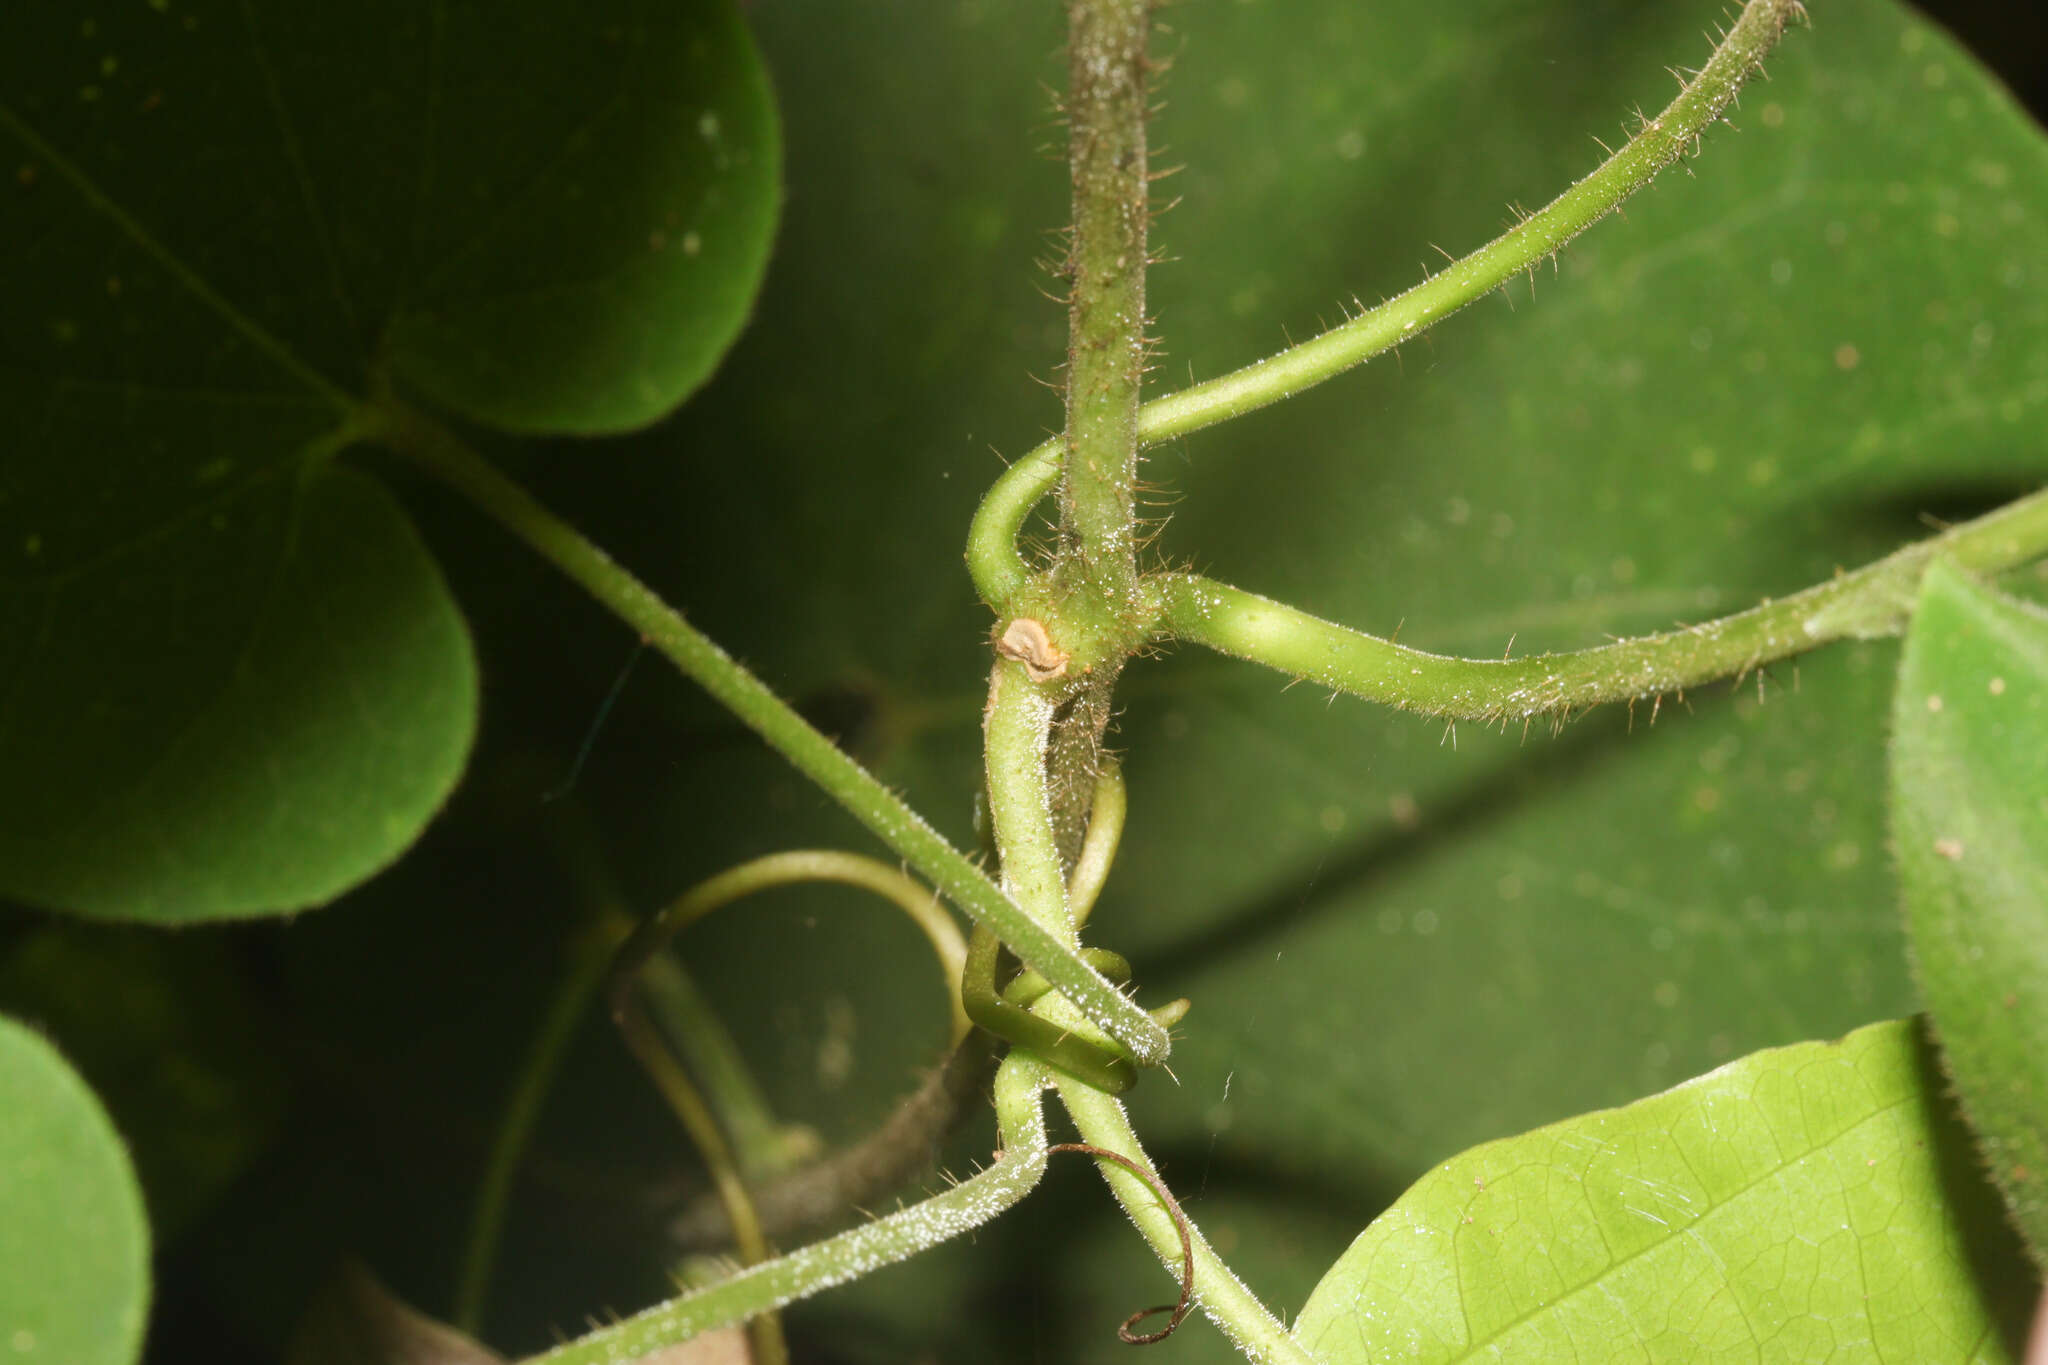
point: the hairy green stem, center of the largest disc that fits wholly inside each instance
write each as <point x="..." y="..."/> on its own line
<point x="1105" y="105"/>
<point x="438" y="452"/>
<point x="1016" y="729"/>
<point x="1000" y="572"/>
<point x="1659" y="142"/>
<point x="588" y="951"/>
<point x="771" y="1285"/>
<point x="1870" y="603"/>
<point x="1220" y="1295"/>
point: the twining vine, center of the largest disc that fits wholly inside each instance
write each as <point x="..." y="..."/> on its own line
<point x="1065" y="625"/>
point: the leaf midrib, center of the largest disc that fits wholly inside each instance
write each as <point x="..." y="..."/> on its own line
<point x="188" y="278"/>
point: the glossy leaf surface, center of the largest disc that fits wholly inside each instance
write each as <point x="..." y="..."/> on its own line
<point x="1970" y="813"/>
<point x="1804" y="1203"/>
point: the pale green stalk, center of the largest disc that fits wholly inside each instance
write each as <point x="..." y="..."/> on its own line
<point x="772" y="1284"/>
<point x="1220" y="1295"/>
<point x="1872" y="602"/>
<point x="1106" y="814"/>
<point x="999" y="572"/>
<point x="437" y="451"/>
<point x="1016" y="729"/>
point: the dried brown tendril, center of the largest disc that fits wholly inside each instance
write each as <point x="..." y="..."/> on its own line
<point x="1187" y="1247"/>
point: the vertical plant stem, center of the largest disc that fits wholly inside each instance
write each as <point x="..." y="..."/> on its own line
<point x="439" y="453"/>
<point x="1000" y="573"/>
<point x="1016" y="729"/>
<point x="589" y="949"/>
<point x="1222" y="1297"/>
<point x="1106" y="92"/>
<point x="1095" y="574"/>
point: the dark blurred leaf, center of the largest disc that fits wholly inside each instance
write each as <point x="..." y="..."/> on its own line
<point x="238" y="683"/>
<point x="1970" y="819"/>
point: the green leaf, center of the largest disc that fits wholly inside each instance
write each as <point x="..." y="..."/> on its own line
<point x="603" y="220"/>
<point x="238" y="684"/>
<point x="217" y="724"/>
<point x="1792" y="1206"/>
<point x="1970" y="819"/>
<point x="74" y="1244"/>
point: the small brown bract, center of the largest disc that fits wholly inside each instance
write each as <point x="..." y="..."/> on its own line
<point x="1026" y="641"/>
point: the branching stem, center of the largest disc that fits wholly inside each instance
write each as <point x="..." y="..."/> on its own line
<point x="438" y="452"/>
<point x="1000" y="572"/>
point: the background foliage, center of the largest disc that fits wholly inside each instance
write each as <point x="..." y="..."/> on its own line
<point x="1397" y="946"/>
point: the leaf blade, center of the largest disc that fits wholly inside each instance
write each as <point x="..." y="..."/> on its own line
<point x="74" y="1241"/>
<point x="238" y="726"/>
<point x="1969" y="799"/>
<point x="226" y="223"/>
<point x="1790" y="1205"/>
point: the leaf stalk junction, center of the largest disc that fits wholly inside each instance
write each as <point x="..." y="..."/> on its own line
<point x="1069" y="622"/>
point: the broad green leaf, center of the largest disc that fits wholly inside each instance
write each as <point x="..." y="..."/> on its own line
<point x="74" y="1243"/>
<point x="212" y="724"/>
<point x="1795" y="1205"/>
<point x="237" y="683"/>
<point x="1970" y="822"/>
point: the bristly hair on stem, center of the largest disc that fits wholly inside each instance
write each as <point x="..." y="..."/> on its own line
<point x="1095" y="570"/>
<point x="1535" y="237"/>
